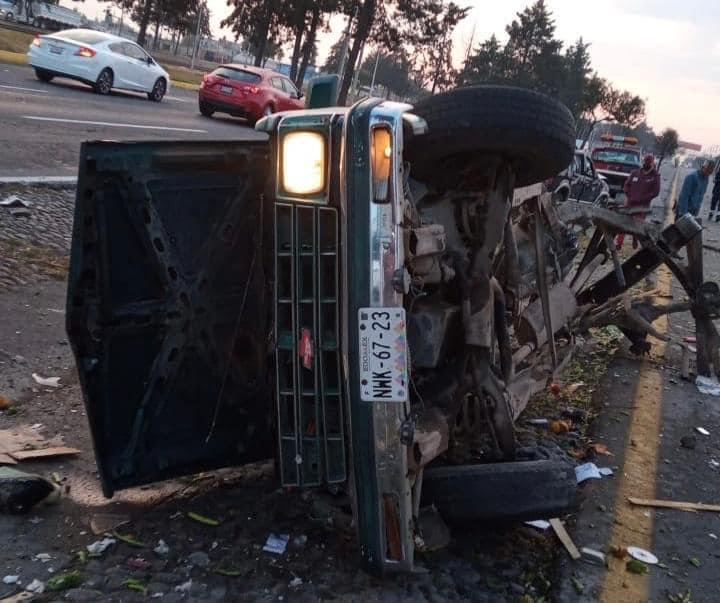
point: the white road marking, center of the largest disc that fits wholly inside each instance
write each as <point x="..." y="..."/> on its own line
<point x="111" y="124"/>
<point x="179" y="100"/>
<point x="28" y="180"/>
<point x="21" y="88"/>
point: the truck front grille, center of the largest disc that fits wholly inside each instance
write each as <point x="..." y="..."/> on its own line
<point x="309" y="386"/>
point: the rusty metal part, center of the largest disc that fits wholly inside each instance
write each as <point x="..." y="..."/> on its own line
<point x="430" y="440"/>
<point x="563" y="306"/>
<point x="542" y="284"/>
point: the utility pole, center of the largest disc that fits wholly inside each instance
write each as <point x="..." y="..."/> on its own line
<point x="346" y="44"/>
<point x="356" y="74"/>
<point x="377" y="60"/>
<point x="197" y="33"/>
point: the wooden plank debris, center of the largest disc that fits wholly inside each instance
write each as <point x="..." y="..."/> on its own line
<point x="673" y="504"/>
<point x="564" y="537"/>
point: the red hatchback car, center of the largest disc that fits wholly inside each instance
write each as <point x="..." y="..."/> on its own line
<point x="249" y="92"/>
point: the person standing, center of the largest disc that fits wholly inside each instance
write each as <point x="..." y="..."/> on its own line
<point x="693" y="190"/>
<point x="641" y="187"/>
<point x="715" y="200"/>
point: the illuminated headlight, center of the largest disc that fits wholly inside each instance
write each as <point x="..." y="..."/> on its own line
<point x="381" y="156"/>
<point x="303" y="163"/>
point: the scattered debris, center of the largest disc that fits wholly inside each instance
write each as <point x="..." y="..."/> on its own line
<point x="20" y="491"/>
<point x="136" y="585"/>
<point x="706" y="385"/>
<point x="564" y="537"/>
<point x="99" y="547"/>
<point x="11" y="579"/>
<point x="300" y="541"/>
<point x="129" y="540"/>
<point x="713" y="536"/>
<point x="577" y="585"/>
<point x="36" y="586"/>
<point x="600" y="448"/>
<point x="184" y="587"/>
<point x="46" y="381"/>
<point x="14" y="201"/>
<point x="276" y="544"/>
<point x="702" y="431"/>
<point x="605" y="471"/>
<point x="689" y="442"/>
<point x="208" y="521"/>
<point x="540" y="524"/>
<point x="619" y="552"/>
<point x="558" y="427"/>
<point x="642" y="555"/>
<point x="43" y="557"/>
<point x="4" y="402"/>
<point x="230" y="573"/>
<point x="587" y="471"/>
<point x="636" y="567"/>
<point x="295" y="582"/>
<point x="24" y="455"/>
<point x="65" y="581"/>
<point x="107" y="522"/>
<point x="138" y="563"/>
<point x="694" y="561"/>
<point x="592" y="556"/>
<point x="671" y="504"/>
<point x="162" y="548"/>
<point x="538" y="422"/>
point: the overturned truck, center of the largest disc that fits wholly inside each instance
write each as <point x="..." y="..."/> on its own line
<point x="370" y="297"/>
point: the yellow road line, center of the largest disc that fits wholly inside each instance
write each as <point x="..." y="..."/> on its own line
<point x="633" y="526"/>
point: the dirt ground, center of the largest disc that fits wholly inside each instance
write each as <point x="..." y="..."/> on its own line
<point x="225" y="562"/>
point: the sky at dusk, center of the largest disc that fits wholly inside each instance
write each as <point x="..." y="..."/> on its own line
<point x="666" y="51"/>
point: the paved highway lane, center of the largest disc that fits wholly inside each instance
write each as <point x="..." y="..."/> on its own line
<point x="43" y="125"/>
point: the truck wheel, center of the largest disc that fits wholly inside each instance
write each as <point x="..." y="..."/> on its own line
<point x="104" y="83"/>
<point x="43" y="76"/>
<point x="9" y="17"/>
<point x="469" y="128"/>
<point x="516" y="490"/>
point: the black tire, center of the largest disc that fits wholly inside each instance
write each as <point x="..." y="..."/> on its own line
<point x="206" y="110"/>
<point x="158" y="91"/>
<point x="43" y="76"/>
<point x="526" y="489"/>
<point x="104" y="82"/>
<point x="532" y="131"/>
<point x="9" y="17"/>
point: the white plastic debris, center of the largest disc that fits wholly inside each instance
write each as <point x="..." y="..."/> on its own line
<point x="11" y="579"/>
<point x="184" y="587"/>
<point x="642" y="555"/>
<point x="592" y="556"/>
<point x="100" y="546"/>
<point x="44" y="557"/>
<point x="14" y="201"/>
<point x="540" y="524"/>
<point x="538" y="421"/>
<point x="706" y="385"/>
<point x="295" y="582"/>
<point x="276" y="544"/>
<point x="605" y="471"/>
<point x="36" y="586"/>
<point x="587" y="471"/>
<point x="702" y="431"/>
<point x="35" y="520"/>
<point x="713" y="536"/>
<point x="46" y="381"/>
<point x="162" y="548"/>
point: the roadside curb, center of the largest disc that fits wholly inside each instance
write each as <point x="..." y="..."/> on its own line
<point x="62" y="182"/>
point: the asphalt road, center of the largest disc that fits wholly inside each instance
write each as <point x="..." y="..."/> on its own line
<point x="43" y="125"/>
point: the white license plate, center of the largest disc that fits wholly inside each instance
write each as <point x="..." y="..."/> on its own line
<point x="56" y="49"/>
<point x="226" y="89"/>
<point x="383" y="355"/>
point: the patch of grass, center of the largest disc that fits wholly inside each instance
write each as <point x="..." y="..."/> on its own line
<point x="15" y="41"/>
<point x="184" y="75"/>
<point x="14" y="58"/>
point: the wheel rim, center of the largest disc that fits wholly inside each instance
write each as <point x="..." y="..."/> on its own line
<point x="104" y="83"/>
<point x="159" y="90"/>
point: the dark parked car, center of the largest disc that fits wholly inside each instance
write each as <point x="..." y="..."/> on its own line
<point x="580" y="181"/>
<point x="248" y="92"/>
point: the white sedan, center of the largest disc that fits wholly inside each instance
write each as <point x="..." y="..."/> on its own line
<point x="102" y="60"/>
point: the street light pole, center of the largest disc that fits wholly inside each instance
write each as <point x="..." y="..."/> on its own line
<point x="346" y="44"/>
<point x="197" y="33"/>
